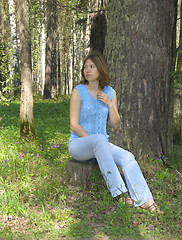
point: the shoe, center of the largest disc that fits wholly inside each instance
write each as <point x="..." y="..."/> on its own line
<point x="124" y="199"/>
<point x="153" y="208"/>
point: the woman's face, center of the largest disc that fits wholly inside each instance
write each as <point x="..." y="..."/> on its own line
<point x="91" y="72"/>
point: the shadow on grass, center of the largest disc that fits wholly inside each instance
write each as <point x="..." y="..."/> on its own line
<point x="97" y="215"/>
<point x="95" y="230"/>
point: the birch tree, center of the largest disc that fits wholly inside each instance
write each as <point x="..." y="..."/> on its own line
<point x="14" y="68"/>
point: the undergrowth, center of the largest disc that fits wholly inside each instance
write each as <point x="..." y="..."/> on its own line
<point x="36" y="204"/>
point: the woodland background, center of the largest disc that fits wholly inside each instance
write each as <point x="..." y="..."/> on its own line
<point x="42" y="46"/>
<point x="142" y="43"/>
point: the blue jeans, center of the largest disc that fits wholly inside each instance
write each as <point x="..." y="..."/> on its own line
<point x="108" y="157"/>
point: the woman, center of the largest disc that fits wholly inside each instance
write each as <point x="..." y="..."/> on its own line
<point x="91" y="103"/>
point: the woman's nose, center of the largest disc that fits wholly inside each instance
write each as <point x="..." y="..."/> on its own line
<point x="87" y="69"/>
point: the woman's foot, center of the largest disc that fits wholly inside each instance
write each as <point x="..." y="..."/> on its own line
<point x="151" y="206"/>
<point x="125" y="199"/>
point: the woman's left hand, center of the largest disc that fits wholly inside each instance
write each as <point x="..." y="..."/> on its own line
<point x="104" y="98"/>
<point x="112" y="105"/>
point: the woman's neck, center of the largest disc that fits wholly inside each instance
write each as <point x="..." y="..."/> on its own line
<point x="94" y="86"/>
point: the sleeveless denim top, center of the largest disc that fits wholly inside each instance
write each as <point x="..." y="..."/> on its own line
<point x="93" y="112"/>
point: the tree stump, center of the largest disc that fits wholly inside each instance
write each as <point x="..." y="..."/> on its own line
<point x="78" y="173"/>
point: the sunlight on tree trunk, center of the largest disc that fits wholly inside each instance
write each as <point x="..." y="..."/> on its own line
<point x="14" y="68"/>
<point x="26" y="103"/>
<point x="178" y="81"/>
<point x="179" y="52"/>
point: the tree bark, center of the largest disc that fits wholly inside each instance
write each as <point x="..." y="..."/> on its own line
<point x="178" y="74"/>
<point x="139" y="56"/>
<point x="51" y="62"/>
<point x="15" y="63"/>
<point x="98" y="26"/>
<point x="178" y="81"/>
<point x="4" y="19"/>
<point x="26" y="103"/>
<point x="98" y="32"/>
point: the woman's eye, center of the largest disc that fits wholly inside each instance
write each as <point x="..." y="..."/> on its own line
<point x="91" y="66"/>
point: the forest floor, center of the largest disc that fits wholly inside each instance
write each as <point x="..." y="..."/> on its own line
<point x="35" y="202"/>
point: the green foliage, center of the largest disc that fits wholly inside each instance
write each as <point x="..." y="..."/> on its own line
<point x="75" y="4"/>
<point x="6" y="58"/>
<point x="82" y="4"/>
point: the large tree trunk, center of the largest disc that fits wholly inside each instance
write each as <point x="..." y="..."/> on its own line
<point x="51" y="62"/>
<point x="26" y="104"/>
<point x="98" y="26"/>
<point x="139" y="56"/>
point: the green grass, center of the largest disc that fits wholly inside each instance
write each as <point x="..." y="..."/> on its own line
<point x="35" y="203"/>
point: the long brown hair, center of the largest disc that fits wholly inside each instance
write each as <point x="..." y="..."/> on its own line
<point x="99" y="60"/>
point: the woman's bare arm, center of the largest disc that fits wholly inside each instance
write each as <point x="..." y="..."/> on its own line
<point x="75" y="104"/>
<point x="114" y="117"/>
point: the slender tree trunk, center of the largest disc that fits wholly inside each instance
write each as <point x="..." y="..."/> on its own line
<point x="178" y="82"/>
<point x="4" y="19"/>
<point x="179" y="52"/>
<point x="73" y="52"/>
<point x="51" y="66"/>
<point x="15" y="63"/>
<point x="3" y="41"/>
<point x="59" y="69"/>
<point x="139" y="56"/>
<point x="171" y="97"/>
<point x="26" y="104"/>
<point x="1" y="18"/>
<point x="43" y="64"/>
